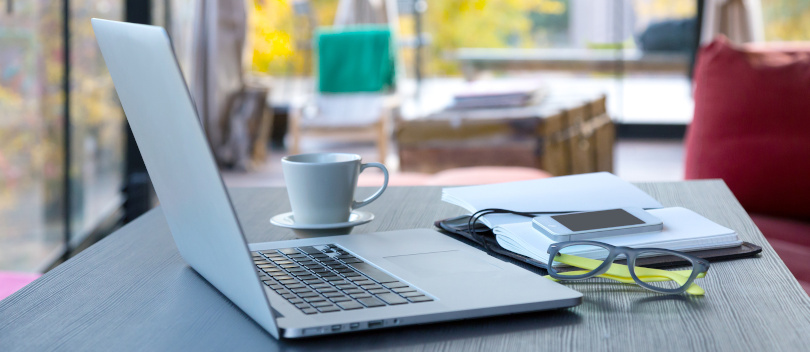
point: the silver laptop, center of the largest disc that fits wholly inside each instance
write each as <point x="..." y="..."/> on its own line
<point x="306" y="287"/>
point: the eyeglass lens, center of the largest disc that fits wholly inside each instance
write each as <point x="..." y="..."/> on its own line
<point x="678" y="276"/>
<point x="586" y="251"/>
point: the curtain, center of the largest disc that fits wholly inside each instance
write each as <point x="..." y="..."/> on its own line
<point x="739" y="20"/>
<point x="214" y="62"/>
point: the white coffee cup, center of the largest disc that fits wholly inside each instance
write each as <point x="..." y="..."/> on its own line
<point x="321" y="186"/>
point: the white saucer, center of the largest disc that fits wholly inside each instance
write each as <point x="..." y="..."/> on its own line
<point x="316" y="230"/>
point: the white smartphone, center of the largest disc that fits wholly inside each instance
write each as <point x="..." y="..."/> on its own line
<point x="596" y="224"/>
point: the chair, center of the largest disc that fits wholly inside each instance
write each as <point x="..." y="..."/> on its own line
<point x="356" y="72"/>
<point x="752" y="129"/>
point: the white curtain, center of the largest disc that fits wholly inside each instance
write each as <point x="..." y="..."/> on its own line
<point x="739" y="20"/>
<point x="209" y="38"/>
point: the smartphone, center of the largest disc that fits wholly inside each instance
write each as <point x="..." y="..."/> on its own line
<point x="590" y="225"/>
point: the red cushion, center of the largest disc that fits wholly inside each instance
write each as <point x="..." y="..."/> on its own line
<point x="791" y="240"/>
<point x="752" y="125"/>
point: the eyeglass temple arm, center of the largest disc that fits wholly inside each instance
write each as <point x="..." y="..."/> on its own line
<point x="621" y="273"/>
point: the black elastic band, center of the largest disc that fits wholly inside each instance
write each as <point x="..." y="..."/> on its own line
<point x="473" y="220"/>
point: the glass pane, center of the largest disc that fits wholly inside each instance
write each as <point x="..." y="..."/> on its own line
<point x="636" y="51"/>
<point x="31" y="135"/>
<point x="589" y="255"/>
<point x="97" y="121"/>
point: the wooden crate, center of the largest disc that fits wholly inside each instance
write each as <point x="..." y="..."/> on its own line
<point x="575" y="137"/>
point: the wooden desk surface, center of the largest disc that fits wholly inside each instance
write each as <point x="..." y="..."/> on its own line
<point x="133" y="291"/>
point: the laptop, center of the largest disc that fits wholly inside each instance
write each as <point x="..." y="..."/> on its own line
<point x="305" y="287"/>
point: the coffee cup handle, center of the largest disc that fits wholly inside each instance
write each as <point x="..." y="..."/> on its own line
<point x="356" y="204"/>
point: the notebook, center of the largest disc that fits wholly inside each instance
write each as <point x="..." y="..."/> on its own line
<point x="684" y="230"/>
<point x="583" y="192"/>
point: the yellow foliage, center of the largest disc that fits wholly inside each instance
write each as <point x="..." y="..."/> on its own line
<point x="270" y="35"/>
<point x="280" y="40"/>
<point x="660" y="9"/>
<point x="786" y="20"/>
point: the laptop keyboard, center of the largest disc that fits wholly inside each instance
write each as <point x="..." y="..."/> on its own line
<point x="325" y="278"/>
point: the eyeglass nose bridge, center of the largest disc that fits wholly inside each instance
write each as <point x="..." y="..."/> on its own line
<point x="614" y="254"/>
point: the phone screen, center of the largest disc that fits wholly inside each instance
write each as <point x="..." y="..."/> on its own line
<point x="597" y="220"/>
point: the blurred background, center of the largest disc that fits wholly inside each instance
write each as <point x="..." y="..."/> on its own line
<point x="424" y="86"/>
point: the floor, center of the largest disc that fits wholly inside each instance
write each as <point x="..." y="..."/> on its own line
<point x="635" y="161"/>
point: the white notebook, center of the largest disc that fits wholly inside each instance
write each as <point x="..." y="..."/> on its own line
<point x="684" y="230"/>
<point x="584" y="192"/>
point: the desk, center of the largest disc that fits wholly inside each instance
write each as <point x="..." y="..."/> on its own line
<point x="133" y="291"/>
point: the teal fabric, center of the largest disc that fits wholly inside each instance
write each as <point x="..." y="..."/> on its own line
<point x="355" y="59"/>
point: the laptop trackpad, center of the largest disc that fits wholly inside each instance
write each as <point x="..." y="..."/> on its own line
<point x="442" y="263"/>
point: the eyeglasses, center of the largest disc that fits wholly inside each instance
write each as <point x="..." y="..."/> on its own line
<point x="581" y="254"/>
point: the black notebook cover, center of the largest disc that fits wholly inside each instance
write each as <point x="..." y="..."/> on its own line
<point x="457" y="228"/>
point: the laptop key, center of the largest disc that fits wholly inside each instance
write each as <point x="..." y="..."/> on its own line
<point x="391" y="298"/>
<point x="321" y="304"/>
<point x="360" y="295"/>
<point x="301" y="305"/>
<point x="328" y="309"/>
<point x="395" y="284"/>
<point x="309" y="310"/>
<point x="306" y="295"/>
<point x="420" y="298"/>
<point x="372" y="272"/>
<point x="349" y="305"/>
<point x="295" y="300"/>
<point x="404" y="289"/>
<point x="412" y="294"/>
<point x="377" y="291"/>
<point x="309" y="250"/>
<point x="288" y="251"/>
<point x="340" y="298"/>
<point x="371" y="302"/>
<point x="314" y="299"/>
<point x="370" y="286"/>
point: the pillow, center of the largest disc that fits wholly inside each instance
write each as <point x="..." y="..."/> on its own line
<point x="752" y="125"/>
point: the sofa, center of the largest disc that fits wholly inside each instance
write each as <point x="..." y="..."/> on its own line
<point x="751" y="128"/>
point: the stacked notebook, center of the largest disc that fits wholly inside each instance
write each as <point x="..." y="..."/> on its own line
<point x="684" y="230"/>
<point x="498" y="94"/>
